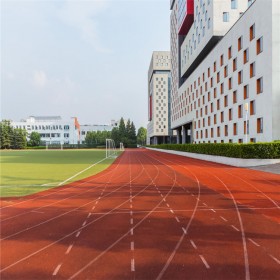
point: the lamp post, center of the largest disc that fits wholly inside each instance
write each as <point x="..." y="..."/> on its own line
<point x="246" y="118"/>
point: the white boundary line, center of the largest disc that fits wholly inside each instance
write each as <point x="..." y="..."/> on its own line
<point x="80" y="172"/>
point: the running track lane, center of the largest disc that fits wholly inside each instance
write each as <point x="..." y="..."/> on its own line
<point x="150" y="215"/>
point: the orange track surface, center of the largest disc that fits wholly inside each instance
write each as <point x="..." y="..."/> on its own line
<point x="150" y="215"/>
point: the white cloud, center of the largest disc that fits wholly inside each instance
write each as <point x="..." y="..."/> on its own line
<point x="39" y="79"/>
<point x="82" y="16"/>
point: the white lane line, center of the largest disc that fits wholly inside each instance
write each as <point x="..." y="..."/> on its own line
<point x="223" y="218"/>
<point x="84" y="223"/>
<point x="131" y="221"/>
<point x="92" y="207"/>
<point x="192" y="194"/>
<point x="171" y="211"/>
<point x="130" y="200"/>
<point x="80" y="172"/>
<point x="89" y="214"/>
<point x="132" y="246"/>
<point x="130" y="205"/>
<point x="213" y="210"/>
<point x="275" y="259"/>
<point x="132" y="265"/>
<point x="197" y="199"/>
<point x="205" y="204"/>
<point x="204" y="261"/>
<point x="177" y="219"/>
<point x="131" y="213"/>
<point x="184" y="230"/>
<point x="78" y="233"/>
<point x="69" y="249"/>
<point x="254" y="242"/>
<point x="235" y="228"/>
<point x="131" y="231"/>
<point x="193" y="244"/>
<point x="99" y="197"/>
<point x="96" y="201"/>
<point x="57" y="269"/>
<point x="161" y="195"/>
<point x="35" y="211"/>
<point x="167" y="205"/>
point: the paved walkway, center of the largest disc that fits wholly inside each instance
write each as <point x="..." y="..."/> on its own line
<point x="272" y="168"/>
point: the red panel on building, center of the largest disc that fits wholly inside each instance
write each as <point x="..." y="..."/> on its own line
<point x="189" y="18"/>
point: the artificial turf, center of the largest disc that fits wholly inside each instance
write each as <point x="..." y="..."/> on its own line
<point x="30" y="171"/>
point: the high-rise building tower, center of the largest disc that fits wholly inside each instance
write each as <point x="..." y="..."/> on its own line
<point x="224" y="67"/>
<point x="158" y="130"/>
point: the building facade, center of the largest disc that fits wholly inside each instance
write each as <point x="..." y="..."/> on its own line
<point x="225" y="68"/>
<point x="96" y="127"/>
<point x="158" y="130"/>
<point x="52" y="129"/>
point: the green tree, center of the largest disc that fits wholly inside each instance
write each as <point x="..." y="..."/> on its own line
<point x="132" y="134"/>
<point x="141" y="136"/>
<point x="6" y="134"/>
<point x="18" y="139"/>
<point x="115" y="135"/>
<point x="35" y="139"/>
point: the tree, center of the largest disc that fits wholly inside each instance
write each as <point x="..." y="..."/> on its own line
<point x="35" y="139"/>
<point x="132" y="134"/>
<point x="115" y="135"/>
<point x="18" y="139"/>
<point x="6" y="133"/>
<point x="142" y="136"/>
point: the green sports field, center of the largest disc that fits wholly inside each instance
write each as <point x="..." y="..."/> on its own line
<point x="30" y="171"/>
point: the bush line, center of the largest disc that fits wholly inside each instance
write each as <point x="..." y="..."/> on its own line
<point x="247" y="151"/>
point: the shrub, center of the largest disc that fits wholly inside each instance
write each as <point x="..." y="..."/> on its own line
<point x="252" y="150"/>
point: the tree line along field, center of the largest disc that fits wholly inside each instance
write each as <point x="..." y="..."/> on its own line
<point x="29" y="171"/>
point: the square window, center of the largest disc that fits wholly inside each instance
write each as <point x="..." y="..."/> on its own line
<point x="252" y="32"/>
<point x="240" y="43"/>
<point x="225" y="16"/>
<point x="246" y="92"/>
<point x="259" y="85"/>
<point x="259" y="45"/>
<point x="252" y="69"/>
<point x="260" y="125"/>
<point x="234" y="4"/>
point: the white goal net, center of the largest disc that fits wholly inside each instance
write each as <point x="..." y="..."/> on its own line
<point x="110" y="148"/>
<point x="121" y="147"/>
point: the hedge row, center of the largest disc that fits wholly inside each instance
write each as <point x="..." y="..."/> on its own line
<point x="254" y="150"/>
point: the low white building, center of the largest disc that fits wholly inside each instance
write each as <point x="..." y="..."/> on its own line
<point x="52" y="129"/>
<point x="85" y="128"/>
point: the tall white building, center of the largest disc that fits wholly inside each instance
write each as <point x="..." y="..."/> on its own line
<point x="158" y="130"/>
<point x="52" y="129"/>
<point x="225" y="67"/>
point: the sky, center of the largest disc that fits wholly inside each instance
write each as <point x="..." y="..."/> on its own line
<point x="82" y="58"/>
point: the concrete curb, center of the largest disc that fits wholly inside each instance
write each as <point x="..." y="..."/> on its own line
<point x="239" y="162"/>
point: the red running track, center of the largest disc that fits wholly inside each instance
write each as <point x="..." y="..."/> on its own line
<point x="150" y="215"/>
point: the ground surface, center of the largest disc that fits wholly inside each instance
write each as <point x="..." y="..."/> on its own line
<point x="30" y="171"/>
<point x="150" y="215"/>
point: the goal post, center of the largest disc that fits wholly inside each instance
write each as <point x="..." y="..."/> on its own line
<point x="110" y="148"/>
<point x="121" y="147"/>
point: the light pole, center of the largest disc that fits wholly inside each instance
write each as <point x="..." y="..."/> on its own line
<point x="246" y="118"/>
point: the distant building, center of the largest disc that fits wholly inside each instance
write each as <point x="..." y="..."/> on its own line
<point x="52" y="129"/>
<point x="96" y="127"/>
<point x="225" y="69"/>
<point x="158" y="130"/>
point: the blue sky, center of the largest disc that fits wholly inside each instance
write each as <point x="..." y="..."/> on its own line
<point x="80" y="58"/>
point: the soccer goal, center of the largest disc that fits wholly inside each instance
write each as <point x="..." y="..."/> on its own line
<point x="110" y="148"/>
<point x="121" y="147"/>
